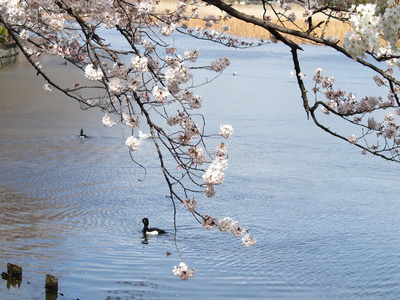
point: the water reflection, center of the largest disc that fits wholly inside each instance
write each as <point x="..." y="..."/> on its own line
<point x="12" y="283"/>
<point x="7" y="60"/>
<point x="51" y="295"/>
<point x="28" y="218"/>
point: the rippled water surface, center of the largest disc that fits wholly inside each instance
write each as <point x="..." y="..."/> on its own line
<point x="327" y="219"/>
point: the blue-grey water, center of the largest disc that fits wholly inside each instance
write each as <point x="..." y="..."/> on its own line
<point x="326" y="218"/>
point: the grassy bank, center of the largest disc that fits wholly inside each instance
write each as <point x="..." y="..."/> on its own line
<point x="3" y="35"/>
<point x="242" y="29"/>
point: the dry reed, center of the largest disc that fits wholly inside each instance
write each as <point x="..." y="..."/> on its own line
<point x="239" y="28"/>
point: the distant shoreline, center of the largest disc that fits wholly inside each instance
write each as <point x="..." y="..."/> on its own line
<point x="242" y="29"/>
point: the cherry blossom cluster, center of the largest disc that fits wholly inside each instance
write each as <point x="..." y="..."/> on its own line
<point x="107" y="121"/>
<point x="227" y="224"/>
<point x="375" y="33"/>
<point x="226" y="130"/>
<point x="190" y="131"/>
<point x="197" y="155"/>
<point x="132" y="143"/>
<point x="190" y="204"/>
<point x="183" y="271"/>
<point x="214" y="174"/>
<point x="131" y="120"/>
<point x="365" y="35"/>
<point x="220" y="64"/>
<point x="358" y="112"/>
<point x="390" y="23"/>
<point x="345" y="103"/>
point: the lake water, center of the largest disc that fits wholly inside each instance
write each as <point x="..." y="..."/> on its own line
<point x="326" y="218"/>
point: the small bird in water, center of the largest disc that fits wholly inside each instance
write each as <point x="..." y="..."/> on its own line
<point x="144" y="135"/>
<point x="150" y="231"/>
<point x="82" y="136"/>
